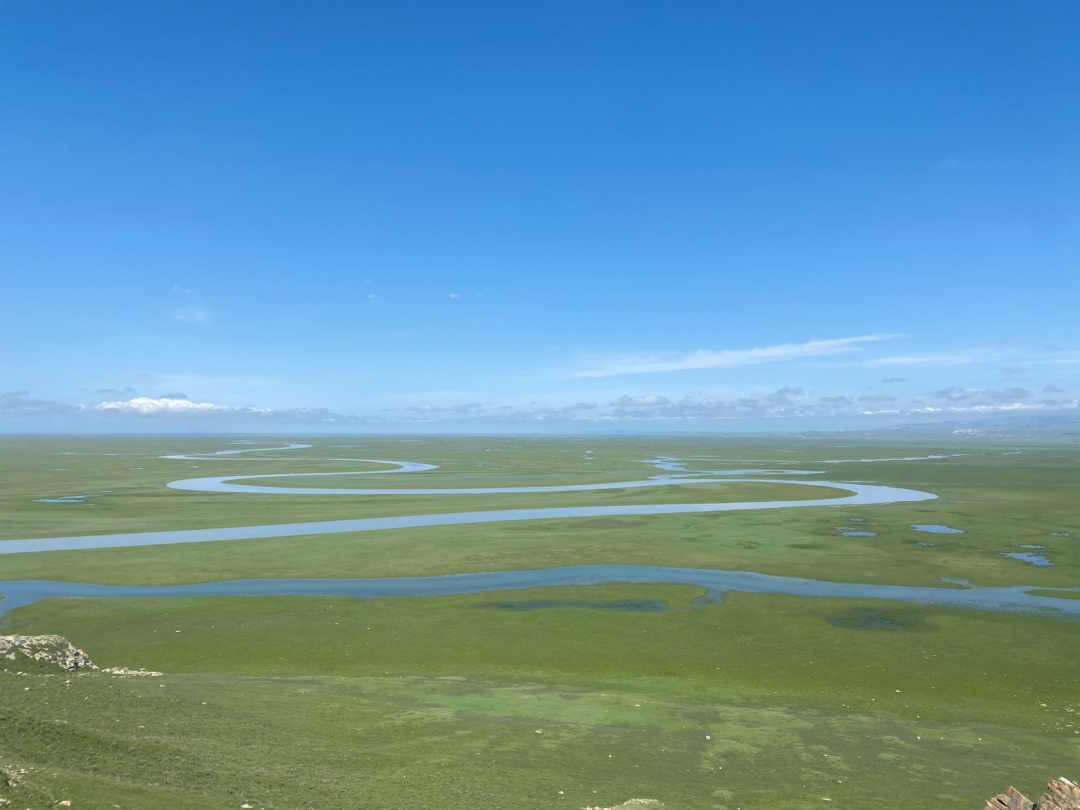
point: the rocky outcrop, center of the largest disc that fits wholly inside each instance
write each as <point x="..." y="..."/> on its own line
<point x="49" y="649"/>
<point x="1061" y="794"/>
<point x="56" y="650"/>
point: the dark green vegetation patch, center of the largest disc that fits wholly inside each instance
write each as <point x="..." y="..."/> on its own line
<point x="876" y="618"/>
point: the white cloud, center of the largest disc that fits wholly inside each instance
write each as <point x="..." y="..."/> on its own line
<point x="727" y="358"/>
<point x="1014" y="406"/>
<point x="167" y="405"/>
<point x="177" y="409"/>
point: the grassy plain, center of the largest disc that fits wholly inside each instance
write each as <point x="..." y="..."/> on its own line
<point x="470" y="701"/>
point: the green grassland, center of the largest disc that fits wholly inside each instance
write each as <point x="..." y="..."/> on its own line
<point x="473" y="701"/>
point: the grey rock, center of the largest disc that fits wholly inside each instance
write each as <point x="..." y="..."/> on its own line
<point x="1061" y="794"/>
<point x="51" y="649"/>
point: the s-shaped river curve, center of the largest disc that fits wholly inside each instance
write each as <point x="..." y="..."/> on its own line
<point x="861" y="494"/>
<point x="19" y="593"/>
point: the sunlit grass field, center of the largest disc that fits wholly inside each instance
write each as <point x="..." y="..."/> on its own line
<point x="495" y="700"/>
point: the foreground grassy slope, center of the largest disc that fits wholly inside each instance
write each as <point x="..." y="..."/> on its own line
<point x="759" y="702"/>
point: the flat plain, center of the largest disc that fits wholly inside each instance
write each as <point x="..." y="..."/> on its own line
<point x="558" y="697"/>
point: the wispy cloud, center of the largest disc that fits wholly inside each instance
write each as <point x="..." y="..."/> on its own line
<point x="1051" y="357"/>
<point x="21" y="404"/>
<point x="1068" y="357"/>
<point x="116" y="392"/>
<point x="921" y="360"/>
<point x="195" y="316"/>
<point x="464" y="407"/>
<point x="726" y="358"/>
<point x="955" y="394"/>
<point x="647" y="399"/>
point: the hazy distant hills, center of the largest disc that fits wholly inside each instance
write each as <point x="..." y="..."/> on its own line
<point x="1057" y="423"/>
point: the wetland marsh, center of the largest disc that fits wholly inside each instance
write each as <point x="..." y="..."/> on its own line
<point x="736" y="656"/>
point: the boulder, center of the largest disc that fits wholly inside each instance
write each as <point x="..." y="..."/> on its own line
<point x="1061" y="794"/>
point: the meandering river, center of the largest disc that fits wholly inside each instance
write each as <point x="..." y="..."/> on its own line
<point x="848" y="495"/>
<point x="716" y="582"/>
<point x="17" y="593"/>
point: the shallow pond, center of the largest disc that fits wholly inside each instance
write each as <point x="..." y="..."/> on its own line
<point x="1028" y="557"/>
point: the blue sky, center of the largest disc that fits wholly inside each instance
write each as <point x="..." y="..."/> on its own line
<point x="544" y="216"/>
